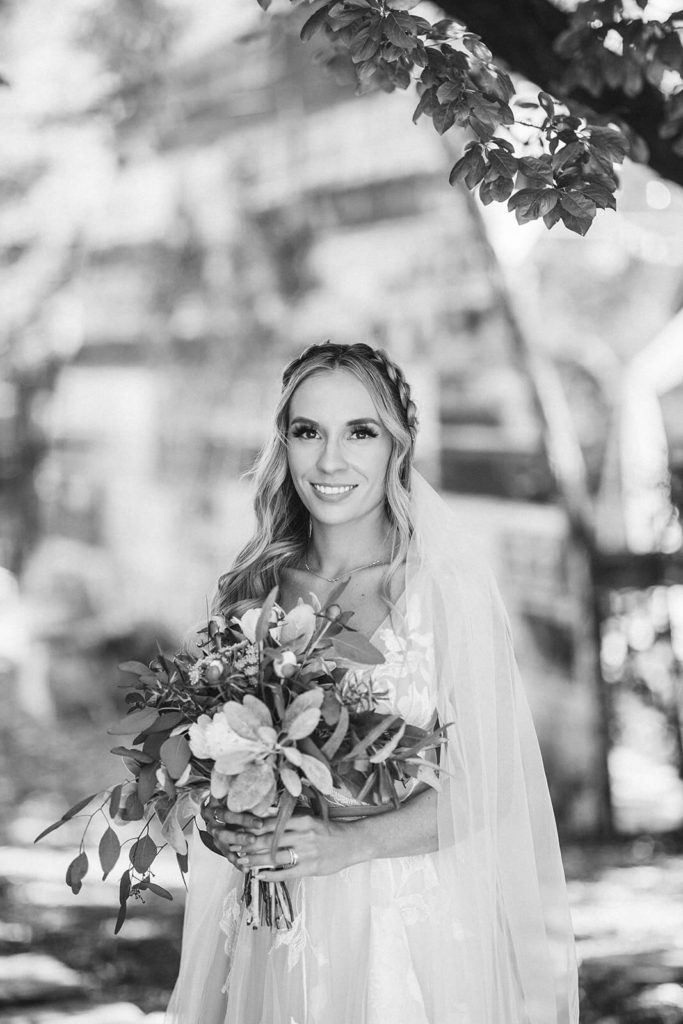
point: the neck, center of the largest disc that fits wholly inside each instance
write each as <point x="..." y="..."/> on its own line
<point x="334" y="550"/>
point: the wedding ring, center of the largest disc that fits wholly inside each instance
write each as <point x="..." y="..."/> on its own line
<point x="293" y="857"/>
<point x="219" y="821"/>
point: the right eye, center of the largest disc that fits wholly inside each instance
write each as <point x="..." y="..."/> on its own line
<point x="307" y="433"/>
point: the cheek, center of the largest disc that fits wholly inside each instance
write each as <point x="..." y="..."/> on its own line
<point x="299" y="464"/>
<point x="378" y="462"/>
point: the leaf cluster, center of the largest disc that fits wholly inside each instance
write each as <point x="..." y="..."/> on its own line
<point x="607" y="48"/>
<point x="381" y="44"/>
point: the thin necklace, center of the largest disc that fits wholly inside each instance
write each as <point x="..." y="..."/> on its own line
<point x="336" y="579"/>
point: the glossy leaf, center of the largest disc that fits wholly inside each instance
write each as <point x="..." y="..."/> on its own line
<point x="315" y="23"/>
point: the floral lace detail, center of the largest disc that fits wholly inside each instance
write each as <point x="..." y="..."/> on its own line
<point x="297" y="938"/>
<point x="229" y="924"/>
<point x="408" y="673"/>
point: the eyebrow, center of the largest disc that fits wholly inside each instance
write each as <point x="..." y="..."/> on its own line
<point x="349" y="423"/>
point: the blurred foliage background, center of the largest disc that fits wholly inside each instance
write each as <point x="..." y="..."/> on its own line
<point x="186" y="201"/>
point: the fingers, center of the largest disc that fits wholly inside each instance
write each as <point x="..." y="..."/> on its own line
<point x="284" y="858"/>
<point x="218" y="814"/>
<point x="297" y="823"/>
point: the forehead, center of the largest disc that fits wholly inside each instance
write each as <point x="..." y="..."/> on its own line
<point x="331" y="395"/>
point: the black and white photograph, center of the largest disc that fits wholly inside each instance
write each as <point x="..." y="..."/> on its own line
<point x="341" y="478"/>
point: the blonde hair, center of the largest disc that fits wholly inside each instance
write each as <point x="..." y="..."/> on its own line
<point x="282" y="520"/>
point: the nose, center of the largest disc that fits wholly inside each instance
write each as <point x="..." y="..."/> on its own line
<point x="331" y="457"/>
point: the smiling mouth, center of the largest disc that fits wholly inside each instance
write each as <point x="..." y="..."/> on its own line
<point x="329" y="489"/>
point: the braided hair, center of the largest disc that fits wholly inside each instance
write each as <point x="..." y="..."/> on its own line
<point x="282" y="520"/>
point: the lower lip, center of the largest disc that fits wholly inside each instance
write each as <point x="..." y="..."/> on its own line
<point x="332" y="497"/>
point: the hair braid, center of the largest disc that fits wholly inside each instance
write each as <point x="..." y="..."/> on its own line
<point x="395" y="375"/>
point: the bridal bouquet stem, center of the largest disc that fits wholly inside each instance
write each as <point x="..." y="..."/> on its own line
<point x="276" y="711"/>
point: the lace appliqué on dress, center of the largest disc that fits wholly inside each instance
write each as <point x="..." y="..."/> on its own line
<point x="297" y="938"/>
<point x="408" y="673"/>
<point x="229" y="924"/>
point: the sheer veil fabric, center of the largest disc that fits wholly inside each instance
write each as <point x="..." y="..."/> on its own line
<point x="499" y="947"/>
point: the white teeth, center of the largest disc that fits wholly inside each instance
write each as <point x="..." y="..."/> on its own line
<point x="325" y="489"/>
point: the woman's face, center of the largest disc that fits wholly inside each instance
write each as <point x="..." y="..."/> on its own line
<point x="337" y="448"/>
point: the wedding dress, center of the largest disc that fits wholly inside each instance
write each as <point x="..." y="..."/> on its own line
<point x="475" y="933"/>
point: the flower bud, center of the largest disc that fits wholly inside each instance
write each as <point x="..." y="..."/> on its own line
<point x="333" y="612"/>
<point x="214" y="671"/>
<point x="285" y="664"/>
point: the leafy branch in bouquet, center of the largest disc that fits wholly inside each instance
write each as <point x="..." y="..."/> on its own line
<point x="380" y="44"/>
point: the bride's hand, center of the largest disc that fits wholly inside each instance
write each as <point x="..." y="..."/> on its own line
<point x="307" y="846"/>
<point x="228" y="829"/>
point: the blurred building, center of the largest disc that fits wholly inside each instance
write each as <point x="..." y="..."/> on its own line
<point x="275" y="209"/>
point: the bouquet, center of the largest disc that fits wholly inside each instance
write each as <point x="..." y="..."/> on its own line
<point x="276" y="711"/>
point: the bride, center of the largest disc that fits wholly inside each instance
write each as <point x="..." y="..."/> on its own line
<point x="452" y="909"/>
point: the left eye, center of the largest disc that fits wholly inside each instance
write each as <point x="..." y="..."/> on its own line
<point x="362" y="432"/>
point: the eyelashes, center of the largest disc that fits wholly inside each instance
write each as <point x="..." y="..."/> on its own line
<point x="308" y="432"/>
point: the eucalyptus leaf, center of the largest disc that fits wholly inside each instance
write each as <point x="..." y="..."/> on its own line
<point x="120" y="918"/>
<point x="142" y="854"/>
<point x="108" y="850"/>
<point x="67" y="816"/>
<point x="76" y="872"/>
<point x="159" y="890"/>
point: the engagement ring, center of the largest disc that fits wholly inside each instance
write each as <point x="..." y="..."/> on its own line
<point x="219" y="821"/>
<point x="293" y="857"/>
